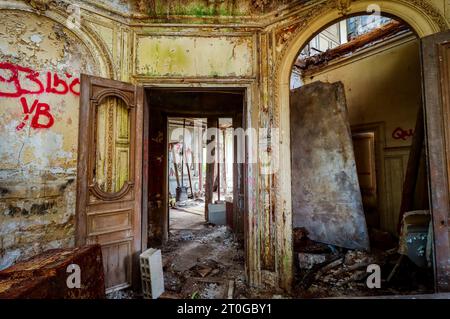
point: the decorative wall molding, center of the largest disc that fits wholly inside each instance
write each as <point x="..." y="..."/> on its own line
<point x="39" y="5"/>
<point x="343" y="6"/>
<point x="430" y="11"/>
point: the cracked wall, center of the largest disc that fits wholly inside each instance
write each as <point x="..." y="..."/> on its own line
<point x="40" y="65"/>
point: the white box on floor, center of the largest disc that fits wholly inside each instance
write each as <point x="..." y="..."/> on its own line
<point x="152" y="273"/>
<point x="217" y="214"/>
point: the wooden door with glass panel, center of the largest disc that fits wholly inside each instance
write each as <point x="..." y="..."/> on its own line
<point x="109" y="176"/>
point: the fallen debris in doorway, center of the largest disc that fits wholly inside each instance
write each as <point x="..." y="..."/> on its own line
<point x="204" y="288"/>
<point x="124" y="294"/>
<point x="340" y="274"/>
<point x="203" y="266"/>
<point x="303" y="244"/>
<point x="382" y="240"/>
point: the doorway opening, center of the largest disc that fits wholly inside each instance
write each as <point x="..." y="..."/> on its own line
<point x="361" y="78"/>
<point x="193" y="198"/>
<point x="195" y="188"/>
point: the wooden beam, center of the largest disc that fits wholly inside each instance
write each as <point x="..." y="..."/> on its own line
<point x="209" y="181"/>
<point x="412" y="171"/>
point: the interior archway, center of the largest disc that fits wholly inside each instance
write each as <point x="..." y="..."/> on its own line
<point x="422" y="23"/>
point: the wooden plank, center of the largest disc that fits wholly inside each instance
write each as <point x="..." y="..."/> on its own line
<point x="412" y="170"/>
<point x="189" y="175"/>
<point x="209" y="180"/>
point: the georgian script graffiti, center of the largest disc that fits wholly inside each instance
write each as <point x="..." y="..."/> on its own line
<point x="18" y="82"/>
<point x="401" y="134"/>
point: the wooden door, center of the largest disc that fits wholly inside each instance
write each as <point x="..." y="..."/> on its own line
<point x="436" y="71"/>
<point x="109" y="190"/>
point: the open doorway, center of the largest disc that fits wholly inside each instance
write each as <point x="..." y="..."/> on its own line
<point x="360" y="76"/>
<point x="195" y="182"/>
<point x="200" y="178"/>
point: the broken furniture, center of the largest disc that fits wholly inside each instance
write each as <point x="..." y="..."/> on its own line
<point x="152" y="273"/>
<point x="415" y="237"/>
<point x="415" y="240"/>
<point x="46" y="275"/>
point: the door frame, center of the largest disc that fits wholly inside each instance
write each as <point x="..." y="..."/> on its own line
<point x="249" y="86"/>
<point x="85" y="162"/>
<point x="379" y="130"/>
<point x="436" y="111"/>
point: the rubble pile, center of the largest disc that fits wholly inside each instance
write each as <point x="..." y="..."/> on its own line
<point x="201" y="264"/>
<point x="326" y="271"/>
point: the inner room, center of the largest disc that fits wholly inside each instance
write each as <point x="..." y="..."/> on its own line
<point x="194" y="212"/>
<point x="195" y="197"/>
<point x="383" y="217"/>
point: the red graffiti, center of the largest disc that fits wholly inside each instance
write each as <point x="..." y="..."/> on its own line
<point x="401" y="134"/>
<point x="24" y="81"/>
<point x="38" y="110"/>
<point x="20" y="81"/>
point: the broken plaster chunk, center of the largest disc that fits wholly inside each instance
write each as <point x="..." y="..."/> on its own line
<point x="308" y="261"/>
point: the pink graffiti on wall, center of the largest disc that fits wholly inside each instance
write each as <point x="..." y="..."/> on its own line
<point x="21" y="81"/>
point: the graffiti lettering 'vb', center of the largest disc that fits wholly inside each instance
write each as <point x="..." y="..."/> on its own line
<point x="17" y="82"/>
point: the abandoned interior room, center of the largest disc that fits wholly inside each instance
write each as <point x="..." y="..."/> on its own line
<point x="233" y="149"/>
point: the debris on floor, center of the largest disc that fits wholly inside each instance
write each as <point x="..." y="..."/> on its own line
<point x="200" y="263"/>
<point x="124" y="294"/>
<point x="326" y="271"/>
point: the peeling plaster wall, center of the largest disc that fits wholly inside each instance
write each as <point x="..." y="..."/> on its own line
<point x="40" y="64"/>
<point x="194" y="56"/>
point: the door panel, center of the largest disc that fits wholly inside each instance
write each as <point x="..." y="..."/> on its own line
<point x="365" y="158"/>
<point x="436" y="62"/>
<point x="109" y="176"/>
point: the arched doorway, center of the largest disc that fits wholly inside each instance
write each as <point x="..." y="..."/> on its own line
<point x="423" y="24"/>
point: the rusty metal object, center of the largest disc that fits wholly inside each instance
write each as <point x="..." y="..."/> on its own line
<point x="45" y="276"/>
<point x="326" y="198"/>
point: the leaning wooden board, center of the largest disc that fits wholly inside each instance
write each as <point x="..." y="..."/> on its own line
<point x="45" y="275"/>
